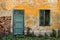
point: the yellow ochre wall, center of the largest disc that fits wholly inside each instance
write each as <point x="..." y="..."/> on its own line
<point x="32" y="12"/>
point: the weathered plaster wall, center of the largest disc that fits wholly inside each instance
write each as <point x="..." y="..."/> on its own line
<point x="32" y="12"/>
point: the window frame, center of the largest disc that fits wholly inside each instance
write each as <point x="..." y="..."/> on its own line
<point x="44" y="18"/>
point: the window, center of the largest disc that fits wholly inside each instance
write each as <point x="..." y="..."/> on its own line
<point x="44" y="18"/>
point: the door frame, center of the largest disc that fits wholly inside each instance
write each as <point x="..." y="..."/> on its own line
<point x="13" y="21"/>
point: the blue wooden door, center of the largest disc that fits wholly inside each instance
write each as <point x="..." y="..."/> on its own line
<point x="18" y="22"/>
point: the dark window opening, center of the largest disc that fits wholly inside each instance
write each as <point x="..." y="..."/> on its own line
<point x="44" y="18"/>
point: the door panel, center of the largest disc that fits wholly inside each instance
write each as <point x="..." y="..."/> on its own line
<point x="18" y="21"/>
<point x="18" y="30"/>
<point x="18" y="25"/>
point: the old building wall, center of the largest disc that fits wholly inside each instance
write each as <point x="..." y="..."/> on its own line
<point x="32" y="11"/>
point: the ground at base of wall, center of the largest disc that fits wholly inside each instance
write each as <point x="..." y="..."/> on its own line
<point x="22" y="37"/>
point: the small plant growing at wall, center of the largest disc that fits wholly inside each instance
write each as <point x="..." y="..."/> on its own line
<point x="40" y="35"/>
<point x="28" y="32"/>
<point x="53" y="33"/>
<point x="28" y="29"/>
<point x="58" y="33"/>
<point x="46" y="36"/>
